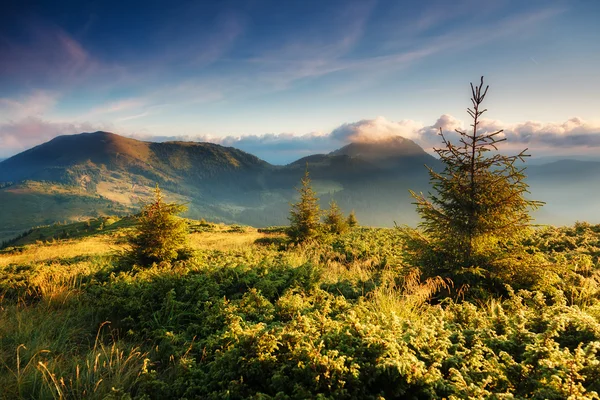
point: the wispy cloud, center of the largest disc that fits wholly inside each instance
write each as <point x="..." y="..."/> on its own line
<point x="35" y="103"/>
<point x="310" y="58"/>
<point x="48" y="57"/>
<point x="131" y="117"/>
<point x="118" y="106"/>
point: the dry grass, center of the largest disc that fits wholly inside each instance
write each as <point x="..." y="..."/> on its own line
<point x="224" y="240"/>
<point x="106" y="244"/>
<point x="106" y="372"/>
<point x="408" y="298"/>
<point x="45" y="252"/>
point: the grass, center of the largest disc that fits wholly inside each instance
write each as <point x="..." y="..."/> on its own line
<point x="72" y="325"/>
<point x="43" y="200"/>
<point x="61" y="250"/>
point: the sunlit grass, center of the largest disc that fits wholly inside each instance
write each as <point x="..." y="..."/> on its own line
<point x="56" y="343"/>
<point x="224" y="240"/>
<point x="63" y="249"/>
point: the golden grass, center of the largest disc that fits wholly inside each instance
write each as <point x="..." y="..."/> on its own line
<point x="224" y="240"/>
<point x="39" y="253"/>
<point x="106" y="244"/>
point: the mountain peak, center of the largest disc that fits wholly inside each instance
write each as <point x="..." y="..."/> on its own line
<point x="376" y="150"/>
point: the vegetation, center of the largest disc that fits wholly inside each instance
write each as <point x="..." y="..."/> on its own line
<point x="275" y="314"/>
<point x="352" y="221"/>
<point x="305" y="215"/>
<point x="160" y="234"/>
<point x="473" y="221"/>
<point x="241" y="319"/>
<point x="335" y="222"/>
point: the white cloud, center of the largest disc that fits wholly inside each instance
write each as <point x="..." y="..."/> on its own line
<point x="376" y="129"/>
<point x="32" y="131"/>
<point x="560" y="137"/>
<point x="36" y="103"/>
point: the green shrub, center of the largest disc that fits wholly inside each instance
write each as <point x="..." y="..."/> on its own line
<point x="159" y="235"/>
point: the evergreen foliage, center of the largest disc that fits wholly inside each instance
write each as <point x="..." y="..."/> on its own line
<point x="160" y="234"/>
<point x="305" y="215"/>
<point x="473" y="221"/>
<point x="334" y="220"/>
<point x="352" y="221"/>
<point x="334" y="320"/>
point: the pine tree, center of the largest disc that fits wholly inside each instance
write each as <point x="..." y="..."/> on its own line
<point x="478" y="212"/>
<point x="352" y="221"/>
<point x="305" y="215"/>
<point x="160" y="234"/>
<point x="334" y="220"/>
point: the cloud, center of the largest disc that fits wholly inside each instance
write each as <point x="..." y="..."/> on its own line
<point x="28" y="132"/>
<point x="118" y="106"/>
<point x="276" y="148"/>
<point x="45" y="55"/>
<point x="573" y="133"/>
<point x="342" y="51"/>
<point x="36" y="103"/>
<point x="571" y="136"/>
<point x="376" y="129"/>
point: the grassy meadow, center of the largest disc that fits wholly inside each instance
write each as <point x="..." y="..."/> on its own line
<point x="248" y="315"/>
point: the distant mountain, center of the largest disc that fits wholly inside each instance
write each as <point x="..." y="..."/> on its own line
<point x="393" y="149"/>
<point x="76" y="176"/>
<point x="543" y="160"/>
<point x="570" y="189"/>
<point x="92" y="174"/>
<point x="66" y="159"/>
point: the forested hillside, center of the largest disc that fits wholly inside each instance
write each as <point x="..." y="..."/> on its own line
<point x="115" y="173"/>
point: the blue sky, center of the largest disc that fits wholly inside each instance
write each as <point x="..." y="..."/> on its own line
<point x="276" y="78"/>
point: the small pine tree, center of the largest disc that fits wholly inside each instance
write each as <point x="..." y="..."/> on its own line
<point x="334" y="220"/>
<point x="160" y="235"/>
<point x="305" y="215"/>
<point x="478" y="211"/>
<point x="352" y="221"/>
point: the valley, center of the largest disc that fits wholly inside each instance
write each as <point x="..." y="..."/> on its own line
<point x="73" y="178"/>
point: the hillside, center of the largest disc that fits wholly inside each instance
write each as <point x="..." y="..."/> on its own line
<point x="75" y="177"/>
<point x="117" y="172"/>
<point x="247" y="316"/>
<point x="219" y="183"/>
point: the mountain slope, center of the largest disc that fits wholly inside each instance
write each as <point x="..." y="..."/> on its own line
<point x="75" y="177"/>
<point x="56" y="159"/>
<point x="569" y="188"/>
<point x="118" y="172"/>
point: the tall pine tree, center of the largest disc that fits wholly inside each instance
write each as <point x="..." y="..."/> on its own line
<point x="478" y="211"/>
<point x="305" y="215"/>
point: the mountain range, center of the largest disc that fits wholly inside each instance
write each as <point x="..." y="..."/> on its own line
<point x="74" y="177"/>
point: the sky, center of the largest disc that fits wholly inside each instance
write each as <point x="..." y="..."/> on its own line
<point x="283" y="79"/>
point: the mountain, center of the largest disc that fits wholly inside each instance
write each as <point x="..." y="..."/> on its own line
<point x="67" y="159"/>
<point x="570" y="189"/>
<point x="386" y="153"/>
<point x="75" y="177"/>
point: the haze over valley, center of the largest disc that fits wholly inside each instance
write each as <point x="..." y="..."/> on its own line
<point x="76" y="177"/>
